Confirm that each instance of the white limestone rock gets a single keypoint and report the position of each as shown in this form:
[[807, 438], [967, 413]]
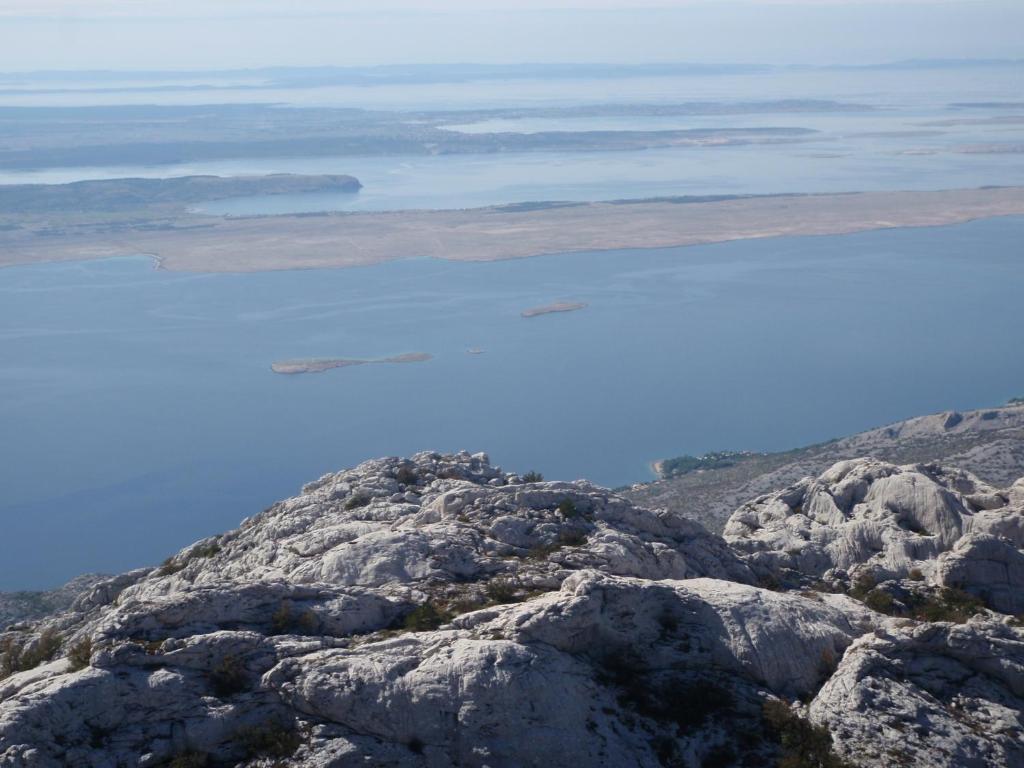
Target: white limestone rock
[[929, 695], [866, 515], [555, 624], [989, 567]]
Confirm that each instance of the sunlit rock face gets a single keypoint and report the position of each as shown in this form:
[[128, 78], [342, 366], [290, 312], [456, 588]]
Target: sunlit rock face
[[943, 525], [438, 611]]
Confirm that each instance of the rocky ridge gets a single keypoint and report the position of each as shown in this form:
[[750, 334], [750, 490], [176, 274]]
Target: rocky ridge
[[989, 443], [438, 611]]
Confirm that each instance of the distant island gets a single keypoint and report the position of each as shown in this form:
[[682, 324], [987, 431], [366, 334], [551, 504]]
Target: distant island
[[115, 195], [547, 309], [319, 365]]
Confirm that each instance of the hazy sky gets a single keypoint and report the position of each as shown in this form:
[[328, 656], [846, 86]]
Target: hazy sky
[[132, 34]]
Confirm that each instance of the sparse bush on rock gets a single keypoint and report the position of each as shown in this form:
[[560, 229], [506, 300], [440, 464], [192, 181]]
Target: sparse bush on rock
[[424, 618], [21, 656], [229, 677], [80, 654], [804, 744]]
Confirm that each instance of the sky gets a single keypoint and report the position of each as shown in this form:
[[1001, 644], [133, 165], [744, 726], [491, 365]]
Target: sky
[[189, 34]]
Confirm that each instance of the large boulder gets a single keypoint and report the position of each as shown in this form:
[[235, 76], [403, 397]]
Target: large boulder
[[929, 695], [989, 567], [893, 521]]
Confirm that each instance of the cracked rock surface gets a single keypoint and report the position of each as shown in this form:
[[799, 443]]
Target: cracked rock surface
[[437, 611]]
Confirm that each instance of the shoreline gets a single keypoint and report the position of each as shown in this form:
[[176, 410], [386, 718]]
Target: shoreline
[[341, 240]]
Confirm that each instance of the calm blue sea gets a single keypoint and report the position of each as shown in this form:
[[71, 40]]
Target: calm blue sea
[[138, 411]]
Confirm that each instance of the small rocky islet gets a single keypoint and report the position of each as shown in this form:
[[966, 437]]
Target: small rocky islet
[[321, 364], [550, 309], [433, 611]]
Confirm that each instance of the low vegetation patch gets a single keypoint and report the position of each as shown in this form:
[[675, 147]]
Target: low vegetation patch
[[274, 738], [425, 618], [572, 537], [16, 656], [681, 465], [533, 477], [542, 551], [880, 601], [949, 605], [176, 563], [803, 744], [208, 549], [287, 621], [502, 591], [567, 508], [357, 500], [171, 566], [406, 476], [946, 604], [80, 654], [684, 701], [229, 677], [189, 759]]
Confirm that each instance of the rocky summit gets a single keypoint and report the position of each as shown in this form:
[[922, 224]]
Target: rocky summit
[[437, 611]]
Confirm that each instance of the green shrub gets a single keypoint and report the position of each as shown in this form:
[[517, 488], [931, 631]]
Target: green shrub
[[542, 551], [572, 538], [684, 702], [949, 605], [229, 677], [864, 584], [44, 650], [567, 508], [533, 477], [424, 618], [357, 500], [16, 657], [502, 591], [406, 476], [204, 550], [80, 654], [285, 621], [10, 657], [879, 600], [177, 563], [804, 744], [190, 760], [274, 738], [171, 565]]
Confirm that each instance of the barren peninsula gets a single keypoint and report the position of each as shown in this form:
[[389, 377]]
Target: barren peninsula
[[195, 243]]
